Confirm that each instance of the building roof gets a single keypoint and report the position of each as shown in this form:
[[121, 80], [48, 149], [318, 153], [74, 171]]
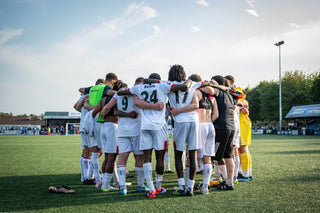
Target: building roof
[[304, 111], [21, 120], [62, 115]]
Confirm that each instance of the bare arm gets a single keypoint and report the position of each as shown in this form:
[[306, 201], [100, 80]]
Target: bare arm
[[119, 113], [78, 105], [81, 90], [75, 106], [111, 92], [191, 107], [87, 106], [109, 106], [245, 108], [145, 105], [215, 110], [207, 90], [124, 92]]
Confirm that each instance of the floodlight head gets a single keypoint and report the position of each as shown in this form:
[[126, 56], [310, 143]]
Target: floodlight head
[[279, 43]]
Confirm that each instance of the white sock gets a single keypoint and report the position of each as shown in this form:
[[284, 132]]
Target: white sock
[[229, 182], [167, 160], [104, 180], [115, 175], [191, 184], [95, 166], [86, 163], [207, 173], [223, 171], [245, 173], [159, 180], [147, 168], [90, 174], [250, 172], [140, 175], [81, 168], [122, 171], [240, 168], [186, 175], [108, 179], [236, 167], [182, 183]]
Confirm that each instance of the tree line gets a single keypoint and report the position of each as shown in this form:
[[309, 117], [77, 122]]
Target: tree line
[[298, 88]]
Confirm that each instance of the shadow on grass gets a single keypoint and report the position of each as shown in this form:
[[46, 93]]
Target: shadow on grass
[[302, 179], [297, 152], [20, 193]]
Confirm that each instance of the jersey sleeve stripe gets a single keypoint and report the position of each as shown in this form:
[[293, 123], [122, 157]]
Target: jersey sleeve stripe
[[171, 87]]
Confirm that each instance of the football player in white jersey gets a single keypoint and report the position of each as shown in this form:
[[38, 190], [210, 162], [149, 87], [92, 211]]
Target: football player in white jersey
[[128, 137], [96, 93], [152, 129], [85, 162], [108, 140], [183, 105]]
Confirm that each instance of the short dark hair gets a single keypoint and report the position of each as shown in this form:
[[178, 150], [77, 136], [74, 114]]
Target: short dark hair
[[226, 82], [195, 77], [154, 76], [218, 78], [119, 84], [99, 81], [139, 80], [230, 78], [176, 73], [111, 76]]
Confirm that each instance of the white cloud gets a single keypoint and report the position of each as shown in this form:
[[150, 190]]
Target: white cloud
[[149, 12], [195, 29], [203, 3], [251, 2], [294, 25], [67, 65], [6, 35], [252, 12], [156, 29], [134, 15]]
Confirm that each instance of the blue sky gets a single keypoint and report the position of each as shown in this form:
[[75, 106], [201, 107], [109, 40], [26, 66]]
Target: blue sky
[[50, 48]]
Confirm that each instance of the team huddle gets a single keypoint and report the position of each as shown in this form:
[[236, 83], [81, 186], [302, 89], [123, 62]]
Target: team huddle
[[210, 128]]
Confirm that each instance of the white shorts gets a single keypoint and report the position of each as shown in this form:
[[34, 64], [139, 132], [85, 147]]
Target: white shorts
[[85, 139], [95, 138], [186, 133], [129, 144], [236, 136], [154, 139], [108, 137], [207, 138]]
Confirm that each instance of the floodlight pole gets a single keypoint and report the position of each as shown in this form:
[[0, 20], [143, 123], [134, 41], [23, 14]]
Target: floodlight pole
[[280, 102]]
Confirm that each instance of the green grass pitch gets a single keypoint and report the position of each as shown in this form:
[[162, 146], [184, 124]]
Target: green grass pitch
[[286, 171]]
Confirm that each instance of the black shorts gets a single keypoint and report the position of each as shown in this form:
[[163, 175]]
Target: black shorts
[[224, 146]]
